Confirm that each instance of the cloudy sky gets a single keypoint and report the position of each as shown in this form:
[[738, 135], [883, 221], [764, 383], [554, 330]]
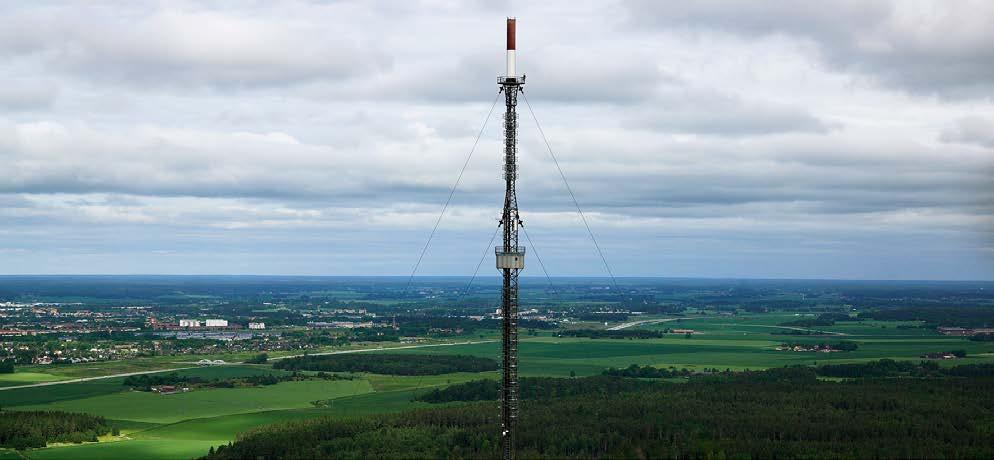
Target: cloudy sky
[[712, 138]]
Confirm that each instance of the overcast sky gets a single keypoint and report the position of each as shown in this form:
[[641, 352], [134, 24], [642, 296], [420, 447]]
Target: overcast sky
[[704, 139]]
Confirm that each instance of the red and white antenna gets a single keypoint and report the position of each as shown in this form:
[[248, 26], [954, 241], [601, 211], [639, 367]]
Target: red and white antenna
[[510, 48]]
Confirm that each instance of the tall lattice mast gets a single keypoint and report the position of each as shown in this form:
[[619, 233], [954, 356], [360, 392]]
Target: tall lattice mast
[[510, 256]]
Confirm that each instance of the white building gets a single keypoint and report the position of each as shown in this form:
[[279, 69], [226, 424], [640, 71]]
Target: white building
[[217, 323], [257, 325], [189, 323]]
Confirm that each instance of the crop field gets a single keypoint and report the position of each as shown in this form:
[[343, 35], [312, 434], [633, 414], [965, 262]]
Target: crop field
[[21, 378], [726, 342], [151, 407], [186, 425], [54, 393], [76, 371], [131, 449], [78, 390]]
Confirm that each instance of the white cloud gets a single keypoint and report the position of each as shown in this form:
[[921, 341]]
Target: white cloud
[[175, 46]]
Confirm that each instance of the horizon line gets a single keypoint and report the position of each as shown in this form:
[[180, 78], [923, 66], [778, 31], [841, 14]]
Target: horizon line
[[496, 276]]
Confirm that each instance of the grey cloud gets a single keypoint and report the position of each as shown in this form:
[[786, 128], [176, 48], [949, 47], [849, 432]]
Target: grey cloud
[[929, 47], [829, 19], [166, 163], [685, 110], [18, 96], [971, 130], [576, 76], [830, 175], [49, 157], [561, 76]]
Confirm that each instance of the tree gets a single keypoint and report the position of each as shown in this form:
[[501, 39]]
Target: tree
[[753, 415], [7, 366], [260, 358]]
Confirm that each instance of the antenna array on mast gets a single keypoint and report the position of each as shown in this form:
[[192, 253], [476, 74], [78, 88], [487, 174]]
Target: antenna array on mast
[[510, 256]]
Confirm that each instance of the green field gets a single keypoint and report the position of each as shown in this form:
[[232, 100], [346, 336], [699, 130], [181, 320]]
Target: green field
[[9, 454], [732, 342], [76, 371], [77, 390], [142, 406], [186, 425], [23, 377], [131, 449], [221, 428]]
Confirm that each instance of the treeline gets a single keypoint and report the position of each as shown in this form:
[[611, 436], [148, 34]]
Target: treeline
[[776, 374], [393, 364], [261, 358], [646, 372], [252, 380], [619, 334], [708, 418], [534, 388], [145, 382], [937, 315], [872, 369], [891, 368], [22, 430]]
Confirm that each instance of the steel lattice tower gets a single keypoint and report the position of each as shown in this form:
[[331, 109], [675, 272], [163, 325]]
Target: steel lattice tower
[[510, 256]]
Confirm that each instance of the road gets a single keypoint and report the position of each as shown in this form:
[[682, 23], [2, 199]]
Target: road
[[87, 379], [127, 374], [644, 321], [386, 348], [654, 321]]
